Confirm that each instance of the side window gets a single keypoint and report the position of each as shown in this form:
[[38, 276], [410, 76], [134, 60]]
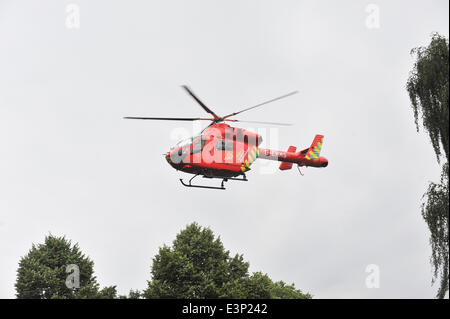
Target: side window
[[198, 146], [224, 145], [182, 151]]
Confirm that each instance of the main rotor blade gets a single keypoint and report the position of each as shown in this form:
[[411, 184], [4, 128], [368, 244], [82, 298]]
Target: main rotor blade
[[261, 104], [258, 122], [168, 118], [188, 90]]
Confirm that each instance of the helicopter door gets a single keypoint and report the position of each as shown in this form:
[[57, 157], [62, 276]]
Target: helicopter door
[[196, 150], [226, 148]]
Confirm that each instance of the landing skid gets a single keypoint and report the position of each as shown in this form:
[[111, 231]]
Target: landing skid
[[224, 179]]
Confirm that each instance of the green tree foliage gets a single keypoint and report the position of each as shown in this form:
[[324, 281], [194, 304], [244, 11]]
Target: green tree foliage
[[435, 211], [281, 290], [133, 294], [428, 88], [42, 273], [198, 266]]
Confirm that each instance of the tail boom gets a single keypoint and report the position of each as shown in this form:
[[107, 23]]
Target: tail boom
[[307, 157]]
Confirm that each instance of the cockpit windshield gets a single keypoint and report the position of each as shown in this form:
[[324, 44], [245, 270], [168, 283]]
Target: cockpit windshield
[[186, 141]]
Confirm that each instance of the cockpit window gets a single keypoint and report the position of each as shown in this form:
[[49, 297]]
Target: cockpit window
[[224, 145], [198, 146], [185, 142]]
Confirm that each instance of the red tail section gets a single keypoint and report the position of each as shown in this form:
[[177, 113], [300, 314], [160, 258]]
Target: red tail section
[[313, 151], [307, 157]]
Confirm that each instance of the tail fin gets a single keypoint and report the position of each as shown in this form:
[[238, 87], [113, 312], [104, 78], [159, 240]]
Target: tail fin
[[313, 151], [286, 165]]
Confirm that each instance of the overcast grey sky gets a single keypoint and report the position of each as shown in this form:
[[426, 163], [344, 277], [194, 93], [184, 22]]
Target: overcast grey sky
[[70, 165]]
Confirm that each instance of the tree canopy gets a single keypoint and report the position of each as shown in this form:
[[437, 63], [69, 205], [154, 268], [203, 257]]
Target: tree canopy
[[43, 273], [435, 211], [428, 89], [198, 266]]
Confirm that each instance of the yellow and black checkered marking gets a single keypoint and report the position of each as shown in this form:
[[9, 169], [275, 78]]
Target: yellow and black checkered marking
[[252, 155], [314, 152]]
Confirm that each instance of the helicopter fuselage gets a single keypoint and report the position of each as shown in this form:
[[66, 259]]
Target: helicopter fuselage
[[223, 151]]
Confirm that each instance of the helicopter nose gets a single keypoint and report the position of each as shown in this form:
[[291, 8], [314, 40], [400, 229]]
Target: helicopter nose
[[168, 159]]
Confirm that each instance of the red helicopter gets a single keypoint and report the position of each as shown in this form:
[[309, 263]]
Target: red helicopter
[[226, 152]]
